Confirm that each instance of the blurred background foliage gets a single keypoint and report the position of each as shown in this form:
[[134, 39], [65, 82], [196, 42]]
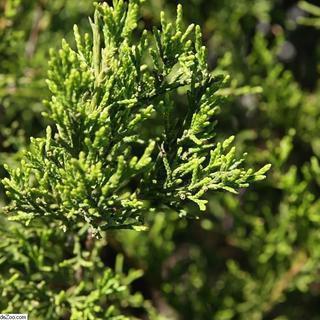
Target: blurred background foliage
[[255, 255]]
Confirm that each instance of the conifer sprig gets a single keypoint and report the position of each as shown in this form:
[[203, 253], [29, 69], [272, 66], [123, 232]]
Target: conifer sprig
[[99, 163]]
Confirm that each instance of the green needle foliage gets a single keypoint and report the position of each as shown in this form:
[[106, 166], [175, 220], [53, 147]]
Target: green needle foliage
[[254, 255], [98, 164], [50, 274], [28, 28]]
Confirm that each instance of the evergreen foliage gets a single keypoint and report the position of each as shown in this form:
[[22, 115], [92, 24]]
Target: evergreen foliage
[[28, 28], [252, 255], [103, 93], [56, 275]]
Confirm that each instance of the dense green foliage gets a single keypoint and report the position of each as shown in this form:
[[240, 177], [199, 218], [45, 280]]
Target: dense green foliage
[[132, 142], [103, 93]]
